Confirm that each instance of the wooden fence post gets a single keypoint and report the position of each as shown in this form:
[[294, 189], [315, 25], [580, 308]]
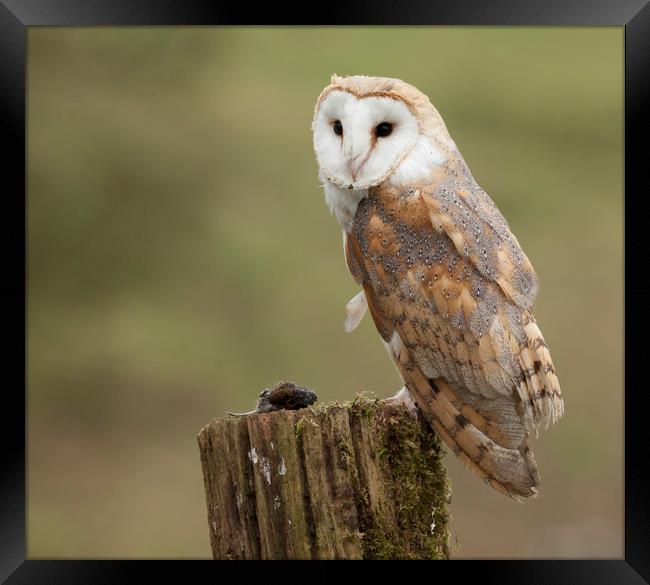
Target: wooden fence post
[[361, 480]]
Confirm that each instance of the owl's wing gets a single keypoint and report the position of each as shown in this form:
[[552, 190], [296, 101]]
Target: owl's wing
[[450, 291], [481, 235]]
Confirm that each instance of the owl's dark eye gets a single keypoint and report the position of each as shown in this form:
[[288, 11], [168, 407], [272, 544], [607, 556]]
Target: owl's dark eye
[[383, 129], [338, 128]]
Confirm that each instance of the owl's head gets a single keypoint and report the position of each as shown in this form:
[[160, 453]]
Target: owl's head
[[371, 129]]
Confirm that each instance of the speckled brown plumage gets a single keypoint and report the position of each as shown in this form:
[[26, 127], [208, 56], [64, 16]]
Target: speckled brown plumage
[[440, 267]]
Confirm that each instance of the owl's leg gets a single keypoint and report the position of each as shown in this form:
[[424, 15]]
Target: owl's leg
[[355, 310], [403, 398]]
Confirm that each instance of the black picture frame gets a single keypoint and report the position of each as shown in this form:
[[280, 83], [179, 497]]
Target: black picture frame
[[17, 15]]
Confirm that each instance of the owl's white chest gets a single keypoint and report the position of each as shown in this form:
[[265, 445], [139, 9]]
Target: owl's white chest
[[343, 203]]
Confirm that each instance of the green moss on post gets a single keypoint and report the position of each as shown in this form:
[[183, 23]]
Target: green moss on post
[[361, 480]]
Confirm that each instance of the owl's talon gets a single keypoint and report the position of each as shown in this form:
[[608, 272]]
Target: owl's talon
[[403, 398]]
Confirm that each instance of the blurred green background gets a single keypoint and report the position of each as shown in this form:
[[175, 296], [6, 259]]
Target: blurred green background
[[181, 259]]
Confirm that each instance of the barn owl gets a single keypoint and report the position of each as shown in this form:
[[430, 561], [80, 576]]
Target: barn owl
[[445, 281]]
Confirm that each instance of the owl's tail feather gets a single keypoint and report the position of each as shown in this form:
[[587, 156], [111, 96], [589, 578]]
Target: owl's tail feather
[[473, 438]]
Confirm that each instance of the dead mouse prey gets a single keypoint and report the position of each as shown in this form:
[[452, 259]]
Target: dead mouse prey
[[284, 395]]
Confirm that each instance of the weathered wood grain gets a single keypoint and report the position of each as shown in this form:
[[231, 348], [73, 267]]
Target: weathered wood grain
[[359, 480]]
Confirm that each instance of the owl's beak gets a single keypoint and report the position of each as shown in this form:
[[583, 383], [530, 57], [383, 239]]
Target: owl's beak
[[355, 164]]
